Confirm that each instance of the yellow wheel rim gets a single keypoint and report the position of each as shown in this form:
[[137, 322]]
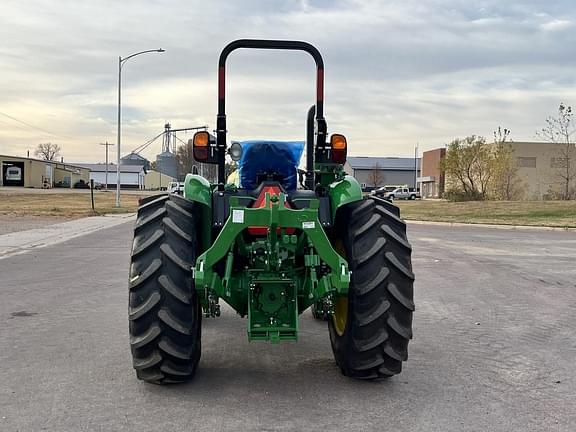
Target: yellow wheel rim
[[340, 315]]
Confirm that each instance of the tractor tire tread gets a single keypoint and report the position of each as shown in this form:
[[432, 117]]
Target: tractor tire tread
[[164, 309], [379, 324]]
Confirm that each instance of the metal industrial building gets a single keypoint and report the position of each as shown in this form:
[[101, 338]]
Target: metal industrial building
[[37, 173], [155, 180], [135, 159], [373, 172], [131, 176]]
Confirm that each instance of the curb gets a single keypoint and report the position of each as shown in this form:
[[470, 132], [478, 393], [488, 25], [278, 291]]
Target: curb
[[481, 225]]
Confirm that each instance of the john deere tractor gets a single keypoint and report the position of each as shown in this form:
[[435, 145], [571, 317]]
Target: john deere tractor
[[282, 240]]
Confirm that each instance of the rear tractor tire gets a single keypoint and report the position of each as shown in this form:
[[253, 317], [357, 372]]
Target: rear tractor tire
[[164, 309], [371, 327]]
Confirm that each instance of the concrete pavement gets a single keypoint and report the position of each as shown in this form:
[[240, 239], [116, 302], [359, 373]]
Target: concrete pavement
[[24, 241], [494, 347]]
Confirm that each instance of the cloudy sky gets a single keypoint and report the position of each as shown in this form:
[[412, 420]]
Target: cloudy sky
[[397, 72]]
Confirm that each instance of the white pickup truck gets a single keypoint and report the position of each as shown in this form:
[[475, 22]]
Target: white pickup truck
[[176, 188], [402, 193]]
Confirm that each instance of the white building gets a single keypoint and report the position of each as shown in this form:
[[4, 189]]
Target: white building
[[131, 176]]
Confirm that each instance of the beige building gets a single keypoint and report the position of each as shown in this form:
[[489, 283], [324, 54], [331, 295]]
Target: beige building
[[154, 180], [37, 173], [540, 165]]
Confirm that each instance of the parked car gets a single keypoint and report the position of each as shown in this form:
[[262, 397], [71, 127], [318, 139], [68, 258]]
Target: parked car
[[81, 184], [402, 193], [14, 173], [381, 191], [62, 184]]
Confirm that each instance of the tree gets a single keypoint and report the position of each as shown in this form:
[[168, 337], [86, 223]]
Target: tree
[[47, 151], [506, 184], [376, 176], [559, 130], [469, 166], [501, 135], [184, 159]]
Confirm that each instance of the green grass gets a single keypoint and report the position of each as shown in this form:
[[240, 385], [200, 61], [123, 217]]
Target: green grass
[[529, 213]]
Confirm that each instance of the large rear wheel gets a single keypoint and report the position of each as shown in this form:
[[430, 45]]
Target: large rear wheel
[[371, 327], [164, 309]]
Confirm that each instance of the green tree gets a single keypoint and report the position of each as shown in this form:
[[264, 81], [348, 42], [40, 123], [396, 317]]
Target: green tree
[[469, 168]]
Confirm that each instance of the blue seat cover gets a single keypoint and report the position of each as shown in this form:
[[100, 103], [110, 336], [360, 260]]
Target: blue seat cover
[[268, 157]]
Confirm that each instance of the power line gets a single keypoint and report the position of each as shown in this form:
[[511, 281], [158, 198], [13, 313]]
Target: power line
[[34, 127], [13, 125]]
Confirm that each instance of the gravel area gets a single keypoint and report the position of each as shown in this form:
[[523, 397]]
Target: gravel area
[[9, 224]]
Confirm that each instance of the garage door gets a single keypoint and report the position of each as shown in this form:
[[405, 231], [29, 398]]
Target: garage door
[[13, 173]]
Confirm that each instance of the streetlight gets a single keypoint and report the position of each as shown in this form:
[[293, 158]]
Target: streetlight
[[120, 63]]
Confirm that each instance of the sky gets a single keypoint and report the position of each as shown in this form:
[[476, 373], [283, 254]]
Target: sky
[[397, 72]]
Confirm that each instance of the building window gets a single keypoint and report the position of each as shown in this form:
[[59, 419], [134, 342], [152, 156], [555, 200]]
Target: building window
[[558, 162], [527, 162]]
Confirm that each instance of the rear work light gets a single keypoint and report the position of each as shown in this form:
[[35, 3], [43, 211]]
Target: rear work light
[[339, 147]]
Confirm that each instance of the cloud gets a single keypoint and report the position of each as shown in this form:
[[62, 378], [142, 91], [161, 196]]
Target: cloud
[[556, 25], [397, 72]]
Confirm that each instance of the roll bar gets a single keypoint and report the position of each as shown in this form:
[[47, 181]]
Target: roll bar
[[320, 122]]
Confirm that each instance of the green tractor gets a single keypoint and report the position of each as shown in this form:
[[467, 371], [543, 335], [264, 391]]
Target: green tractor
[[271, 250]]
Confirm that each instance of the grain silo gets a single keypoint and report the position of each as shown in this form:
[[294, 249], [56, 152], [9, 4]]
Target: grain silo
[[166, 161]]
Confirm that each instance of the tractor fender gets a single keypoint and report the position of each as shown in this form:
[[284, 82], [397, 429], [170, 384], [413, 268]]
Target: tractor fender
[[343, 192], [197, 188]]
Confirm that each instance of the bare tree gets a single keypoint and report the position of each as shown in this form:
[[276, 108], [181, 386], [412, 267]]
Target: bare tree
[[184, 159], [506, 184], [501, 135], [559, 130], [47, 151], [376, 176]]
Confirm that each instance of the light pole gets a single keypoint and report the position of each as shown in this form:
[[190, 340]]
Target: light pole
[[416, 168], [120, 63], [107, 144]]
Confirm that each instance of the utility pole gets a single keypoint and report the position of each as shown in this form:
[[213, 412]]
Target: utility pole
[[107, 145]]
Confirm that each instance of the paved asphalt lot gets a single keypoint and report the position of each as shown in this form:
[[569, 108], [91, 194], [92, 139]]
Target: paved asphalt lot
[[494, 347]]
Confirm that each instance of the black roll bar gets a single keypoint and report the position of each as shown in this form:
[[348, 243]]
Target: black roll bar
[[319, 107]]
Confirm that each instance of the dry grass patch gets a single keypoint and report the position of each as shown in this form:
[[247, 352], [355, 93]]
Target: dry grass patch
[[529, 213], [64, 205]]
